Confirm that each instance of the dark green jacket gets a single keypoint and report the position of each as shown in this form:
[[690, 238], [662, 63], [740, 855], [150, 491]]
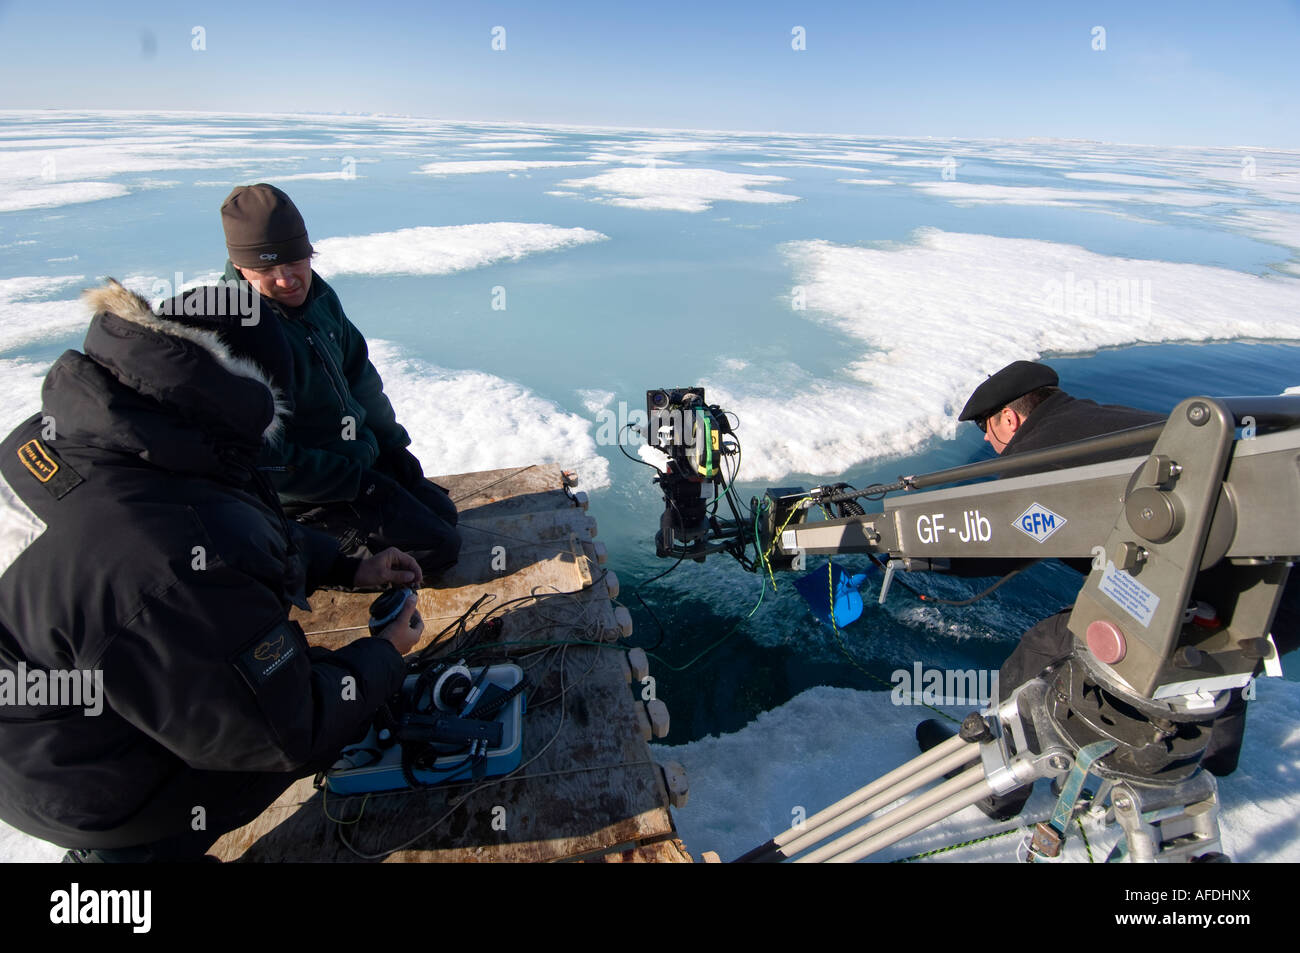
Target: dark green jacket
[[341, 421]]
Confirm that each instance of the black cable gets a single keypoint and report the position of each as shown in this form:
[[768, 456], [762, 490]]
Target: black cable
[[956, 602], [662, 574], [875, 492], [422, 659], [997, 585], [843, 504], [629, 456], [645, 605]]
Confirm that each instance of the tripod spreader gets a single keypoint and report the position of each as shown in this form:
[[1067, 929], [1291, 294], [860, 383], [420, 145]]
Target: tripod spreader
[[997, 752]]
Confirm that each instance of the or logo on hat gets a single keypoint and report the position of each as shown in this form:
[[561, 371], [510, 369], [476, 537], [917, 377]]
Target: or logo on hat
[[268, 256], [1039, 522]]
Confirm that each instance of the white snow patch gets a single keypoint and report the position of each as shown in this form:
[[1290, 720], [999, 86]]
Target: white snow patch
[[683, 190], [15, 197], [1118, 178], [655, 147], [338, 175], [865, 155], [470, 166], [802, 165], [441, 250], [978, 193], [1274, 224], [26, 321], [927, 341], [462, 421], [653, 456], [20, 381], [510, 144], [595, 400]]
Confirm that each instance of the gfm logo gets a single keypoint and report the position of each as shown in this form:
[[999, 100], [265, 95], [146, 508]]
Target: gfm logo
[[1039, 522]]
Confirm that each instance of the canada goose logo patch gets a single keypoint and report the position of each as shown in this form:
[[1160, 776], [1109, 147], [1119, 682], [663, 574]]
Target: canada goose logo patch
[[267, 654], [269, 651], [48, 468], [36, 459]]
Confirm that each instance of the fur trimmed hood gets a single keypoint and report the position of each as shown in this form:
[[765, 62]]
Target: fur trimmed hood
[[117, 300]]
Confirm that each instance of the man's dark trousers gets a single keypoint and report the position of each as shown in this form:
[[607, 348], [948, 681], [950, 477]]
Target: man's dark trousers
[[418, 518]]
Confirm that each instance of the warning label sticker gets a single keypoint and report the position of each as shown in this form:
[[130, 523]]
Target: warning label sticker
[[1129, 594]]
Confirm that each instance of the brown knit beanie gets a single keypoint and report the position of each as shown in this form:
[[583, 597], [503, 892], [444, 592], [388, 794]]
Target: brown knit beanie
[[263, 227]]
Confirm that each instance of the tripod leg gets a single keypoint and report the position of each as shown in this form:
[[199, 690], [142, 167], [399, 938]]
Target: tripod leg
[[892, 826], [904, 779], [1174, 823]]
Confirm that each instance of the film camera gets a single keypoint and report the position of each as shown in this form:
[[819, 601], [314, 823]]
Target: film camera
[[703, 456]]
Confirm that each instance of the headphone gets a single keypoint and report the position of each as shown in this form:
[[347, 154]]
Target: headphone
[[452, 687]]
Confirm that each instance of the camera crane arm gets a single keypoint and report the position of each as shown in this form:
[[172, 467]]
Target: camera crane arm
[[1194, 515], [1202, 514]]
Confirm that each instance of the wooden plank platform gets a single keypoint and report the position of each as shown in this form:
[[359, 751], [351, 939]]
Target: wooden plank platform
[[587, 789]]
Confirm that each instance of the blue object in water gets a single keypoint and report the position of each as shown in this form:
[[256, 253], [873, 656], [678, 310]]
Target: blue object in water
[[816, 589]]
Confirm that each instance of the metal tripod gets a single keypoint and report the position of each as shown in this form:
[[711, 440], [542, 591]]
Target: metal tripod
[[1168, 809]]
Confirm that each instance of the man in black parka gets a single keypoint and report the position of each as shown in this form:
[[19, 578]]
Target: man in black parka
[[139, 541]]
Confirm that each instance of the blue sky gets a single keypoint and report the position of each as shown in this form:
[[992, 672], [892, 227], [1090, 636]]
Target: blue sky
[[1187, 72]]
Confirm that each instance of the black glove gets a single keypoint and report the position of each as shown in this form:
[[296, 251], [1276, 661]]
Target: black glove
[[400, 464]]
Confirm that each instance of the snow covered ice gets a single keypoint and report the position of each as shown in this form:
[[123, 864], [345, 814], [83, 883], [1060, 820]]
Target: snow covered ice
[[841, 294]]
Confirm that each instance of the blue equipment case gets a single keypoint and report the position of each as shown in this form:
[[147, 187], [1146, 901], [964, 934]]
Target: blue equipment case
[[358, 771]]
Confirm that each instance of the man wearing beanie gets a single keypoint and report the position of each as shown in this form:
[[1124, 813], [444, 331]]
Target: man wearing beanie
[[342, 465]]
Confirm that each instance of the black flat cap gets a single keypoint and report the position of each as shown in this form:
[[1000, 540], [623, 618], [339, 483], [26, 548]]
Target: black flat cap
[[1014, 380]]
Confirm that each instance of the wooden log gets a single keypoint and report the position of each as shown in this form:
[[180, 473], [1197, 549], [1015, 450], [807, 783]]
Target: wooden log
[[640, 665], [675, 780], [658, 713], [587, 783]]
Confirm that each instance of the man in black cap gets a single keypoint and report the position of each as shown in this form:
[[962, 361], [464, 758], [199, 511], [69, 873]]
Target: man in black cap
[[1021, 408], [343, 465]]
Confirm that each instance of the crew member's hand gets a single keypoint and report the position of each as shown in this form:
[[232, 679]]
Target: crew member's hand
[[399, 631], [391, 566]]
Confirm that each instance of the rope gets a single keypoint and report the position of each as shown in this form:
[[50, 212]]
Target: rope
[[794, 508], [1084, 834], [508, 476], [989, 837], [830, 588], [968, 843]]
